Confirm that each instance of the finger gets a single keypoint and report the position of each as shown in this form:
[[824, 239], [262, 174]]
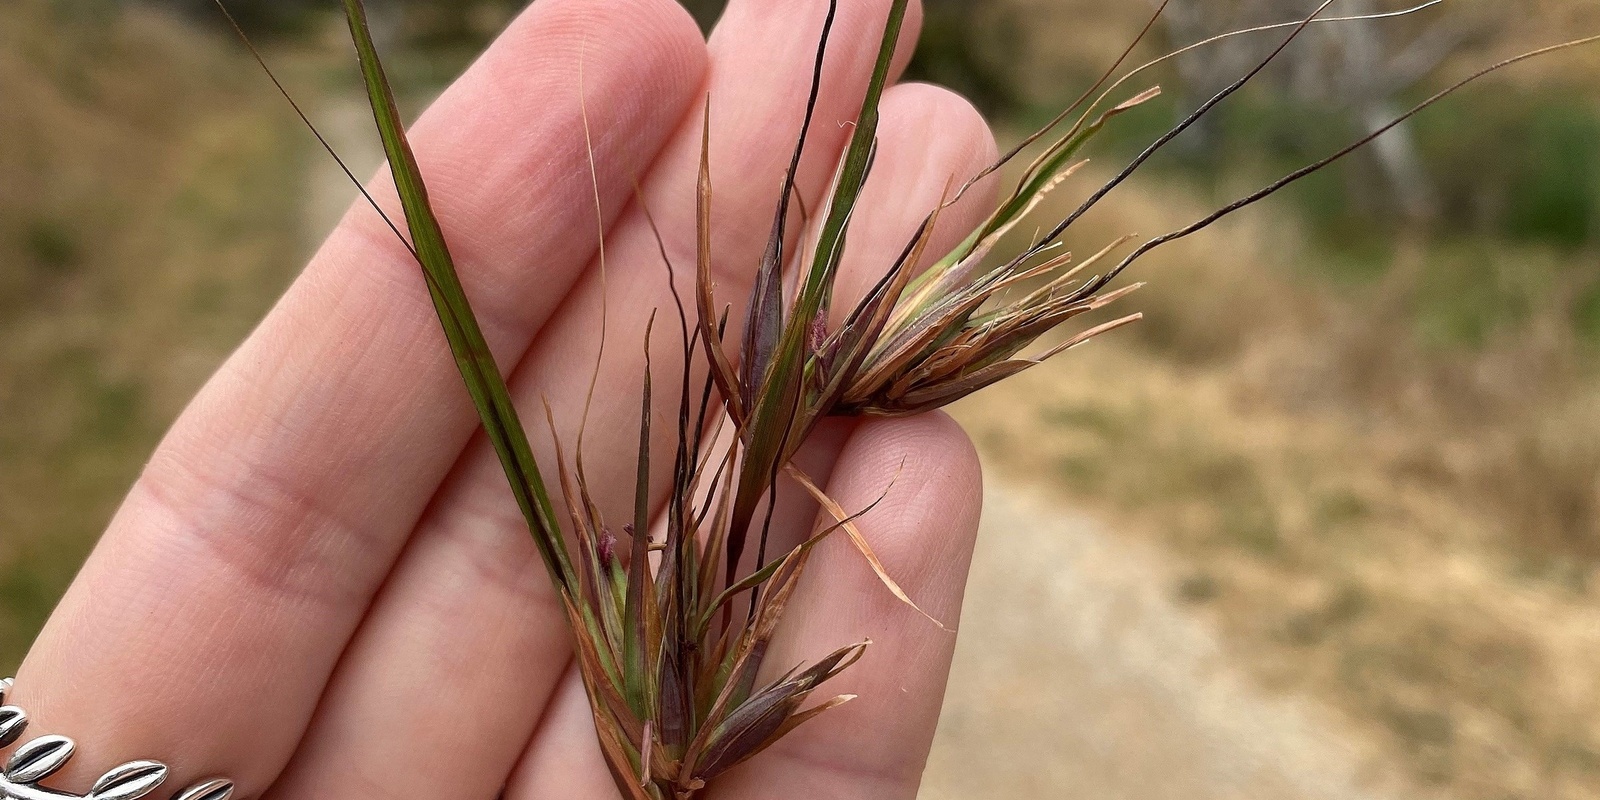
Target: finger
[[762, 57], [469, 582], [205, 625], [567, 762], [930, 138], [924, 531]]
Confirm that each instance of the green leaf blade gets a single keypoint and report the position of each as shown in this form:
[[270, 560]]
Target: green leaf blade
[[484, 381]]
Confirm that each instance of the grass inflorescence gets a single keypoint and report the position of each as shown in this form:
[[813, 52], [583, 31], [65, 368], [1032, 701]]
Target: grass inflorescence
[[671, 630]]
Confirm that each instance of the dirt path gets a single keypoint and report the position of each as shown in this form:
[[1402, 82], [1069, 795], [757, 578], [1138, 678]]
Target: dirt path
[[1079, 676]]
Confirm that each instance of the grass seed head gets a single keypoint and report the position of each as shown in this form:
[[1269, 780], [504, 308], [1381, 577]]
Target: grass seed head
[[671, 637]]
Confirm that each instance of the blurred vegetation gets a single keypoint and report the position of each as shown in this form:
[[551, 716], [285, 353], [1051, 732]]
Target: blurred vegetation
[[1370, 440], [950, 52], [145, 196]]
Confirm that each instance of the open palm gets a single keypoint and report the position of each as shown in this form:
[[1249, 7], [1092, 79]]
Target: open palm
[[321, 586]]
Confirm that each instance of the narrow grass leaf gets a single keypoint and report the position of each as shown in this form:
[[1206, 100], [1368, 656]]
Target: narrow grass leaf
[[484, 381]]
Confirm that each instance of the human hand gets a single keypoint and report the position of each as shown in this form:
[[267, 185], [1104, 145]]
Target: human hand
[[321, 586]]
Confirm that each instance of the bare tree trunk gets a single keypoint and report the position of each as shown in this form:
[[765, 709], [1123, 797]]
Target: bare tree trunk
[[1396, 154], [1204, 73], [1364, 87], [1351, 66]]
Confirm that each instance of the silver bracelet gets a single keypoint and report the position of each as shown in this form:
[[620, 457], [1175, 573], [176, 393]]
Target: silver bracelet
[[44, 756]]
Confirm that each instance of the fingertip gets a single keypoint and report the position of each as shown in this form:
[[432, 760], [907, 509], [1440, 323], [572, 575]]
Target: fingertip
[[852, 24], [658, 39], [930, 446], [569, 83], [932, 141], [964, 144], [926, 470], [673, 31], [922, 532], [951, 143]]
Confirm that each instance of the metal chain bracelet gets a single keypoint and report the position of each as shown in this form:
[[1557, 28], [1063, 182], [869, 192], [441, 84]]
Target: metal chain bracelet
[[42, 757]]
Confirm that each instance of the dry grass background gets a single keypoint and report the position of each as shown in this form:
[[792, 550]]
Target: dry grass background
[[144, 204], [1350, 534], [1376, 517], [1370, 512]]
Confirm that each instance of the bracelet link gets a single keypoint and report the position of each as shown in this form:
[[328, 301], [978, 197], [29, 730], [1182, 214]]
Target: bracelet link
[[44, 756]]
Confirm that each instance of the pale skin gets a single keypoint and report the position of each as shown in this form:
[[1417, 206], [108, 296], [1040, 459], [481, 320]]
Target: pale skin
[[320, 586]]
